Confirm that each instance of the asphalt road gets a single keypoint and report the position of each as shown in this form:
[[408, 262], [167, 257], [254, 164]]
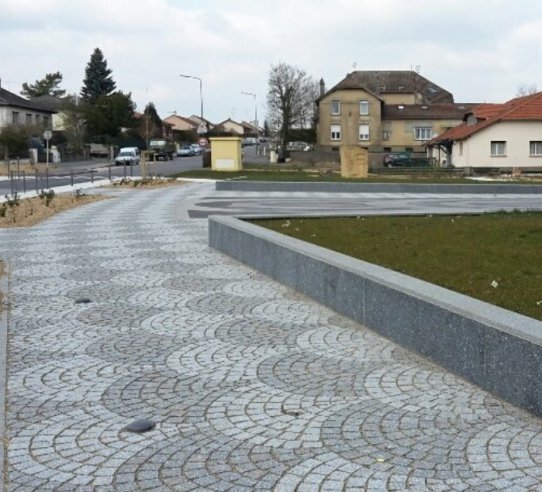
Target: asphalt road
[[93, 169], [76, 172]]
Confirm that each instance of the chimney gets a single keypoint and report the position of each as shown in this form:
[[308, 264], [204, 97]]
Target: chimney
[[322, 87]]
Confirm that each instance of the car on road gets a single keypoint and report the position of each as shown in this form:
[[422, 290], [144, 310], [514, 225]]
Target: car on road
[[185, 151], [196, 149], [127, 156], [298, 145], [249, 141]]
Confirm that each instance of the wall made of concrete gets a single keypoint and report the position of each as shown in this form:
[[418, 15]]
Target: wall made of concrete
[[496, 349]]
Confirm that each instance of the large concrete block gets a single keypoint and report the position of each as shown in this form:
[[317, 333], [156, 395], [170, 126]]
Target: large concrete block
[[498, 350]]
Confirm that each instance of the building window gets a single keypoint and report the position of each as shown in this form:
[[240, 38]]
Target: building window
[[423, 133], [386, 135], [46, 121], [28, 119], [498, 148], [15, 117], [335, 107], [535, 148], [460, 148], [364, 132], [335, 132], [364, 107], [37, 119]]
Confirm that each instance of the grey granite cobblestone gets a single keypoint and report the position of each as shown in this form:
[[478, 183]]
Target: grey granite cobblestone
[[252, 385]]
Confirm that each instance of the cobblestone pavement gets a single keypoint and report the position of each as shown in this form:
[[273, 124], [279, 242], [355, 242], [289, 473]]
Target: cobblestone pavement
[[252, 386]]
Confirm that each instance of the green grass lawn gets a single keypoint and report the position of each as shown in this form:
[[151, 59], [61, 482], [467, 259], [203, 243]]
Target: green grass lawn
[[493, 257]]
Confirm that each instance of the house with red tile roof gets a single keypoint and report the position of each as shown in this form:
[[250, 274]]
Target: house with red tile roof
[[231, 126], [505, 135], [180, 123]]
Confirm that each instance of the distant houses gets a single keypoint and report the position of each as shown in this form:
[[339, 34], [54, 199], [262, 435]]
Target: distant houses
[[386, 111], [16, 110]]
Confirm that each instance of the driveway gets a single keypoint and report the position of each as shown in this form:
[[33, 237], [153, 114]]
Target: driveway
[[120, 311]]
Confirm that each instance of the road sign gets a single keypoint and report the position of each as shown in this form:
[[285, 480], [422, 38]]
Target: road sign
[[203, 142], [47, 134]]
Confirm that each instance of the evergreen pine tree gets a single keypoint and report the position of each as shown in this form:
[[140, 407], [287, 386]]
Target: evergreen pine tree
[[152, 121], [48, 86], [98, 81]]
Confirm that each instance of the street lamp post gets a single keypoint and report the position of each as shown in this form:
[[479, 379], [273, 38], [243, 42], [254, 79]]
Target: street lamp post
[[200, 91], [255, 109]]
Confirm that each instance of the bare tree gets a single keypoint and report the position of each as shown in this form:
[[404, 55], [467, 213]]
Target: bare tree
[[526, 90], [290, 100]]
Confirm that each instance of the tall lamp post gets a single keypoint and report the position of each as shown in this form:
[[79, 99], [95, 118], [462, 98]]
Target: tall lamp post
[[202, 128], [200, 91], [255, 109]]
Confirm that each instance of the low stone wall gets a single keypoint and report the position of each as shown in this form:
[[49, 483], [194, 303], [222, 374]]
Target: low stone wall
[[330, 187], [496, 349]]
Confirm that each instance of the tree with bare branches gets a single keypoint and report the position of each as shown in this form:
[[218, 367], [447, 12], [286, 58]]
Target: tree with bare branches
[[290, 100], [526, 90]]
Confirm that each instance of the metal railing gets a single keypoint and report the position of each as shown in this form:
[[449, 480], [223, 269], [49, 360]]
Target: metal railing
[[21, 181]]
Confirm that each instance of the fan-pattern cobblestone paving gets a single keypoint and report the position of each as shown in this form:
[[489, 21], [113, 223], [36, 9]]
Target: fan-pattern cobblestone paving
[[252, 386]]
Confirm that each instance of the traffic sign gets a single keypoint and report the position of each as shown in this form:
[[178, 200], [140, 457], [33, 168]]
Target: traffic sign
[[47, 134], [203, 142]]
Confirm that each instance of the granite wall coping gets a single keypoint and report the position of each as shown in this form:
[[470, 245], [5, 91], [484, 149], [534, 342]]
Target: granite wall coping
[[498, 350], [331, 187]]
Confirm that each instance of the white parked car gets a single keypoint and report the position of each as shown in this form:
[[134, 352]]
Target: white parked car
[[197, 149], [127, 156]]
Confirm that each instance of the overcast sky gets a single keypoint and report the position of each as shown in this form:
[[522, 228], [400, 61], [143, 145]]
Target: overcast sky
[[480, 50]]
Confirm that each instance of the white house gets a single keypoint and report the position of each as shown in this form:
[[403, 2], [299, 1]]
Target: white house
[[505, 135], [16, 110]]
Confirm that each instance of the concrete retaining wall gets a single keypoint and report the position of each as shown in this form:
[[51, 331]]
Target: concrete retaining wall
[[496, 349], [340, 187]]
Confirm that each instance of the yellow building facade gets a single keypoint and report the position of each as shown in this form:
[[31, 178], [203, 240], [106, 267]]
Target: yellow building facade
[[389, 111]]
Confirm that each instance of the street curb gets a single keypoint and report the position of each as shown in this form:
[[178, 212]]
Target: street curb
[[496, 349], [4, 317], [330, 187]]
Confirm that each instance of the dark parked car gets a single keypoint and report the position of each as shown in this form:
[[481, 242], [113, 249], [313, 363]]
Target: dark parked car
[[397, 159]]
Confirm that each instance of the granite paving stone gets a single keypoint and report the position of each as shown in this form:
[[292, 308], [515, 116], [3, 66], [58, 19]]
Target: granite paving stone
[[252, 386]]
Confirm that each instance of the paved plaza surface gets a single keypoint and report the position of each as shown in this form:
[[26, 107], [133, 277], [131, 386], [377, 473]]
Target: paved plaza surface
[[251, 385]]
